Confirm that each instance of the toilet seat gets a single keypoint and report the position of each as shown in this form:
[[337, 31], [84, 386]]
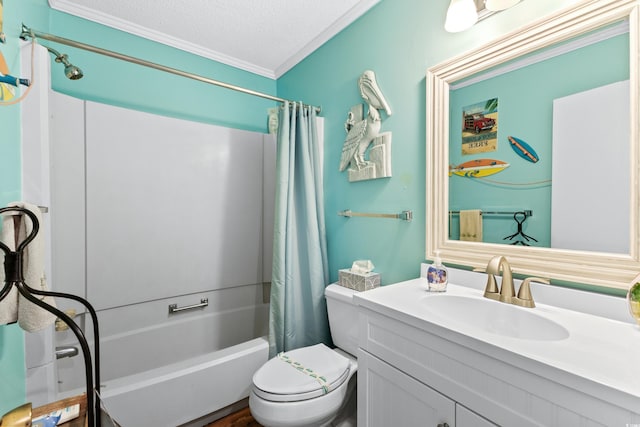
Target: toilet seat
[[293, 378]]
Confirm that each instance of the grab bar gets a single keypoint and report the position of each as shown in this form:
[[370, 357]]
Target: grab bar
[[173, 308]]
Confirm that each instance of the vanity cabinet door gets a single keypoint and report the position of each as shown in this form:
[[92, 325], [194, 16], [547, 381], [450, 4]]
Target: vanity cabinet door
[[389, 397], [467, 418]]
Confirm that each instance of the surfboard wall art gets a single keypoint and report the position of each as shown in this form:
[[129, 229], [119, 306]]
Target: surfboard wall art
[[523, 149], [478, 168]]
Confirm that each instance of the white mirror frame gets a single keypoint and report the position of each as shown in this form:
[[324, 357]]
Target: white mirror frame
[[596, 268]]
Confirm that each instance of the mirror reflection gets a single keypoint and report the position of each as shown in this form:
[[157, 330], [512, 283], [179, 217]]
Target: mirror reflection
[[539, 148]]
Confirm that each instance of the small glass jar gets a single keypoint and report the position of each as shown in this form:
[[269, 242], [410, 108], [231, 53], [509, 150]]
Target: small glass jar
[[633, 298]]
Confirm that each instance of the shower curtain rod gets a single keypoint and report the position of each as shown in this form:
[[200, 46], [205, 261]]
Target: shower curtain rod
[[28, 32]]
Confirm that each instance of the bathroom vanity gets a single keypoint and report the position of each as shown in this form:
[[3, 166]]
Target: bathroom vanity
[[459, 359]]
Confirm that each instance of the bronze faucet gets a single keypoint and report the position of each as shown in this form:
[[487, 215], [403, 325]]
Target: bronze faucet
[[506, 293]]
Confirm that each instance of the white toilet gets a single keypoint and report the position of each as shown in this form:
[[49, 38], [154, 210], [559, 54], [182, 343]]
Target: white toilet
[[313, 386]]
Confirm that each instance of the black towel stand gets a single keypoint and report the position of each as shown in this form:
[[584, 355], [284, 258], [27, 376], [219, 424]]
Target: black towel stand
[[14, 277], [520, 218]]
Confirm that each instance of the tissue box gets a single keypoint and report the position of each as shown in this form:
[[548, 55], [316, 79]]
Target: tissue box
[[358, 281]]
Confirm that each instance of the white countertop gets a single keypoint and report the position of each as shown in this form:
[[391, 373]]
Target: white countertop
[[600, 355]]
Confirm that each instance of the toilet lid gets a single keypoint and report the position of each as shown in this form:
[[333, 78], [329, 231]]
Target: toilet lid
[[301, 374]]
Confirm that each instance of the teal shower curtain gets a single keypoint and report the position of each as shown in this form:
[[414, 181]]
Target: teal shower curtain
[[298, 314]]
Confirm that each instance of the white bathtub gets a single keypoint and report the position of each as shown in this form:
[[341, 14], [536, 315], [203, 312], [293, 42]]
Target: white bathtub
[[160, 369], [178, 393]]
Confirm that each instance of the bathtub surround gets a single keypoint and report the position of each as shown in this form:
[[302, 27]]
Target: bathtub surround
[[212, 181], [88, 178], [298, 315]]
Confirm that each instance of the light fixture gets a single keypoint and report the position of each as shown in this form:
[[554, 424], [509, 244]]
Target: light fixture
[[462, 14], [498, 5]]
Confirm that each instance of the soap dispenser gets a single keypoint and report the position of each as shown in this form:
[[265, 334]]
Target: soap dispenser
[[437, 275]]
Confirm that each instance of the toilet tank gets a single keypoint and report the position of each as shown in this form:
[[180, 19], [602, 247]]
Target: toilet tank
[[343, 317]]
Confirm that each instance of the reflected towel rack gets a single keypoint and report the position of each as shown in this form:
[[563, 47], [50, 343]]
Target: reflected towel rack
[[527, 213], [404, 215], [173, 308]]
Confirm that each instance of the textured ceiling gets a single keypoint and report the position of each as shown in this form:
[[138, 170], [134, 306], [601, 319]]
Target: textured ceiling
[[266, 37]]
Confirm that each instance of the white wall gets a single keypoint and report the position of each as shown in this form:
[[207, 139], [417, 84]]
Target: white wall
[[39, 346], [171, 207], [591, 133]]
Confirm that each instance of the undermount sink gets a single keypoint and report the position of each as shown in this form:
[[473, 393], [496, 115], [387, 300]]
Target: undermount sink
[[495, 317]]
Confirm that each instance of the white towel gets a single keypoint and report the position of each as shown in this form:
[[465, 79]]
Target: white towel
[[471, 225], [9, 305], [15, 229]]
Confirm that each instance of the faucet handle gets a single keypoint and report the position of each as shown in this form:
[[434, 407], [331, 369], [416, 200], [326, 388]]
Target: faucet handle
[[491, 289], [525, 299]]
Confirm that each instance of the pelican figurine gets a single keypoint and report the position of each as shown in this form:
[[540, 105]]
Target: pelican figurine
[[361, 133]]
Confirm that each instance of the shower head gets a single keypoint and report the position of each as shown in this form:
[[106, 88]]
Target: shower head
[[71, 71]]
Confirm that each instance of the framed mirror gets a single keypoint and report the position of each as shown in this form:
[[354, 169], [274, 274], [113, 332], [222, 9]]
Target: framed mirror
[[551, 172]]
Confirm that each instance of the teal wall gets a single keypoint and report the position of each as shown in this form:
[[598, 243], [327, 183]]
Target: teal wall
[[125, 84], [526, 112], [398, 39], [12, 368], [12, 363]]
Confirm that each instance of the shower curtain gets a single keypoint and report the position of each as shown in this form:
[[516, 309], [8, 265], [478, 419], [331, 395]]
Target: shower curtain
[[298, 315]]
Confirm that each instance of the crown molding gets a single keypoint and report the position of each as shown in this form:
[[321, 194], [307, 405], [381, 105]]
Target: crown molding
[[84, 12], [157, 36], [345, 20]]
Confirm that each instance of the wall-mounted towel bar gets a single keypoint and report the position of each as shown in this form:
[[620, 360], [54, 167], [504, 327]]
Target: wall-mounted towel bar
[[527, 213], [173, 308], [405, 215]]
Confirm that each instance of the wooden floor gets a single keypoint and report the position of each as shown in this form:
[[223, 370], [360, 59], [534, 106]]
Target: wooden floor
[[241, 418]]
